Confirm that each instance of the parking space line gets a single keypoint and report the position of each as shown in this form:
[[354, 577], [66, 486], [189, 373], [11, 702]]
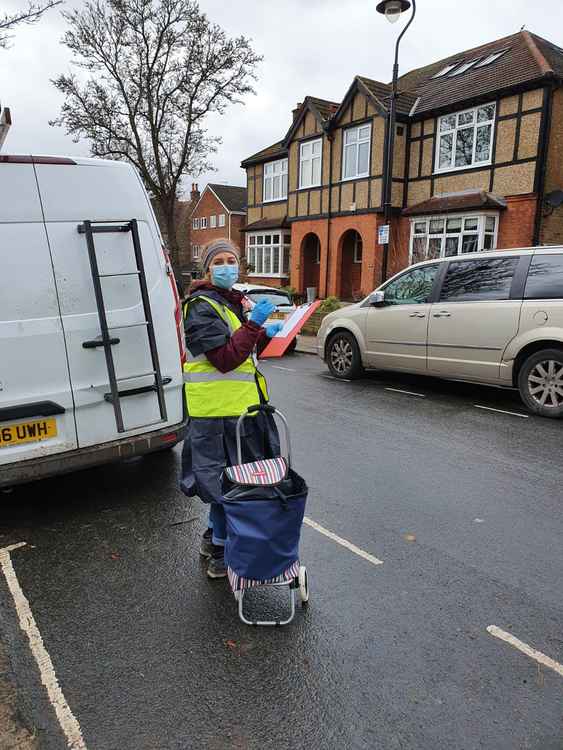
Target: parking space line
[[525, 649], [66, 718], [286, 369], [343, 542], [408, 393], [502, 411]]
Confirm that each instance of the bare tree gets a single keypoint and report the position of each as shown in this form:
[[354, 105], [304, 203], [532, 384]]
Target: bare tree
[[31, 14], [155, 70]]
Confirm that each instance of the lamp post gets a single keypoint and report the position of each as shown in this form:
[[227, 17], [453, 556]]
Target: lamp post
[[392, 10]]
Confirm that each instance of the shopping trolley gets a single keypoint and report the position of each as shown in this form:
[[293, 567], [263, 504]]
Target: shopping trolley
[[264, 505]]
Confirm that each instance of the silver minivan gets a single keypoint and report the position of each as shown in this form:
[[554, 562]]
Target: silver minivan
[[493, 318]]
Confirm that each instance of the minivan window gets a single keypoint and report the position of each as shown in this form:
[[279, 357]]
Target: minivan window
[[412, 288], [545, 278], [478, 280]]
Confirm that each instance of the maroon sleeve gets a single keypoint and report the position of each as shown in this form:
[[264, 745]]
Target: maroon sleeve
[[238, 348]]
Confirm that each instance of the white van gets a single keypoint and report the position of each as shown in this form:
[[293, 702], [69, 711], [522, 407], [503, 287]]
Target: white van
[[91, 330]]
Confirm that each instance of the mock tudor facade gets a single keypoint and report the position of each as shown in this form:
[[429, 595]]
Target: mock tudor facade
[[478, 164], [219, 212]]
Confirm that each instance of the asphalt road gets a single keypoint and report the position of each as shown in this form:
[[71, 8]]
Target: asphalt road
[[463, 506]]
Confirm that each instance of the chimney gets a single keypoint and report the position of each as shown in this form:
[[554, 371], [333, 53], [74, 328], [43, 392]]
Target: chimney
[[296, 110], [194, 195]]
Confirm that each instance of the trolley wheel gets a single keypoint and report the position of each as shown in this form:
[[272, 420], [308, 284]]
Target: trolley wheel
[[303, 585]]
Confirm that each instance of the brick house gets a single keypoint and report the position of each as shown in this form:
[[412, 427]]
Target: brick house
[[219, 212], [478, 164]]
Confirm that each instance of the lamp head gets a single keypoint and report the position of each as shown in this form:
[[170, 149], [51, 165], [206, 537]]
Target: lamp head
[[392, 9]]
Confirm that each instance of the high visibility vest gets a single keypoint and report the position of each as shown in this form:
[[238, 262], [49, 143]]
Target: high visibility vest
[[211, 393]]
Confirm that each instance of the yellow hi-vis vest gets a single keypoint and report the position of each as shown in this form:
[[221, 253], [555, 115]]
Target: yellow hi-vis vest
[[211, 393]]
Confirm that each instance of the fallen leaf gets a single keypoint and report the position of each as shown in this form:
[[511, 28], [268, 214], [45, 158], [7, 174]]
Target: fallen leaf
[[410, 537], [114, 556], [232, 645]]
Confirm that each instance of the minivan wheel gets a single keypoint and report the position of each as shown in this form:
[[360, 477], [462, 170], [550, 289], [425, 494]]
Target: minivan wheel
[[343, 356], [540, 382]]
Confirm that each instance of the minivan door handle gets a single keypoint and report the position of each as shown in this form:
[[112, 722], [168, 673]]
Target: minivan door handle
[[443, 314], [417, 315], [95, 343]]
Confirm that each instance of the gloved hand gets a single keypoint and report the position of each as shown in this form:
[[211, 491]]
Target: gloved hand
[[262, 312], [272, 329]]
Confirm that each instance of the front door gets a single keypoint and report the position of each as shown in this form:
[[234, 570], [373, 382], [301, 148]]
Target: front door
[[397, 332], [474, 319]]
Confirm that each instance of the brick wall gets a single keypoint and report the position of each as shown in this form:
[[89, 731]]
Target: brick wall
[[516, 226]]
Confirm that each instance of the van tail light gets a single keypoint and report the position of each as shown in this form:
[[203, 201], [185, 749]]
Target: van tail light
[[178, 316]]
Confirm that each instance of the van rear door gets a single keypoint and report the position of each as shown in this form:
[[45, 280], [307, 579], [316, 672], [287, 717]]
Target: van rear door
[[36, 406], [111, 193]]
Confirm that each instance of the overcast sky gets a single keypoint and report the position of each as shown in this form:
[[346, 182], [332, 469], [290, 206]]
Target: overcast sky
[[312, 47]]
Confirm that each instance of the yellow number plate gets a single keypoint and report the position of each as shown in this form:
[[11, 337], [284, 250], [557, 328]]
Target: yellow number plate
[[27, 432]]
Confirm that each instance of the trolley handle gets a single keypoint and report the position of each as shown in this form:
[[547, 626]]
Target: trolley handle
[[266, 409]]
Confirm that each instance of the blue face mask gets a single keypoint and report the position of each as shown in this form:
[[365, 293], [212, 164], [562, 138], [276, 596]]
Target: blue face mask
[[225, 276]]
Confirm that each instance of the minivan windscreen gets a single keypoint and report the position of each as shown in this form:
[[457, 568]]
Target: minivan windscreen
[[275, 299]]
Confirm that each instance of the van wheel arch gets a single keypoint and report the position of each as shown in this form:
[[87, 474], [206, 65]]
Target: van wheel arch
[[523, 354]]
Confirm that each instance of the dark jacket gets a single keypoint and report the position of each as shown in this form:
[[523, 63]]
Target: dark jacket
[[207, 333]]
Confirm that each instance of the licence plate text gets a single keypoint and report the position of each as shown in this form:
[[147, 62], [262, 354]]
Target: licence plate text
[[27, 432]]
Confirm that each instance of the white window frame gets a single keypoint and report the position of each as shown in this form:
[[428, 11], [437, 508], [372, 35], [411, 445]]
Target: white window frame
[[203, 222], [312, 158], [195, 223], [256, 256], [273, 169], [213, 221], [357, 143], [221, 222], [481, 230], [196, 252], [454, 131]]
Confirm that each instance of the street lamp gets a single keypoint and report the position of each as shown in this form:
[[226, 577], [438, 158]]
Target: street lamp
[[392, 10]]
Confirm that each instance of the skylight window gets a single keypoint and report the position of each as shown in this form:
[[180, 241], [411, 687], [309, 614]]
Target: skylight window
[[445, 70], [464, 67], [492, 58]]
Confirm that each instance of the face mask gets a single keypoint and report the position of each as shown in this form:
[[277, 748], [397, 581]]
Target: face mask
[[225, 276]]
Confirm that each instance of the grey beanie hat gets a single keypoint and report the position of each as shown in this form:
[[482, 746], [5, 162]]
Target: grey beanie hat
[[216, 247]]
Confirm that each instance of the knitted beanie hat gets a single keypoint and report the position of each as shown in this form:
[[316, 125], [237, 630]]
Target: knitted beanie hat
[[214, 248]]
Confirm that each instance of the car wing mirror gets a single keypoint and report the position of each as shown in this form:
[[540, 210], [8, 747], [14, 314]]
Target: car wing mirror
[[377, 299]]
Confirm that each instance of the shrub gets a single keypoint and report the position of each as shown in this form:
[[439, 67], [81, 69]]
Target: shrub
[[330, 304]]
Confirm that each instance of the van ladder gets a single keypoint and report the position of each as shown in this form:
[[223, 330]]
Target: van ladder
[[90, 228]]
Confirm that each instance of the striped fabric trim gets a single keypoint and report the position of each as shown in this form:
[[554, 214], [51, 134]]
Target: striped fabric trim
[[238, 583], [209, 377], [264, 473]]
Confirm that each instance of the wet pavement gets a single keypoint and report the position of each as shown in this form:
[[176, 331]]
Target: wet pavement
[[462, 505]]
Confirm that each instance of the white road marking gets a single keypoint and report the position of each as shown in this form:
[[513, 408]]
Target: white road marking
[[342, 542], [286, 369], [525, 649], [502, 411], [67, 721], [408, 393], [338, 380]]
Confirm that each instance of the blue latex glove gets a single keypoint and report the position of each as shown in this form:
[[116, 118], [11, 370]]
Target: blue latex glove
[[272, 329], [261, 312]]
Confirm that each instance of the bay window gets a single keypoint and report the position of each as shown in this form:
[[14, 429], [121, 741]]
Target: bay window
[[310, 163], [465, 139], [268, 254], [445, 236], [275, 180], [356, 152]]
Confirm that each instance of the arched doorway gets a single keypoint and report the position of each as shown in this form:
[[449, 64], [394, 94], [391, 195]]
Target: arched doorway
[[311, 254], [351, 267]]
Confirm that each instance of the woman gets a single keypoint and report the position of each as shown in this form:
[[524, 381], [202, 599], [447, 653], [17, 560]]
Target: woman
[[221, 382]]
